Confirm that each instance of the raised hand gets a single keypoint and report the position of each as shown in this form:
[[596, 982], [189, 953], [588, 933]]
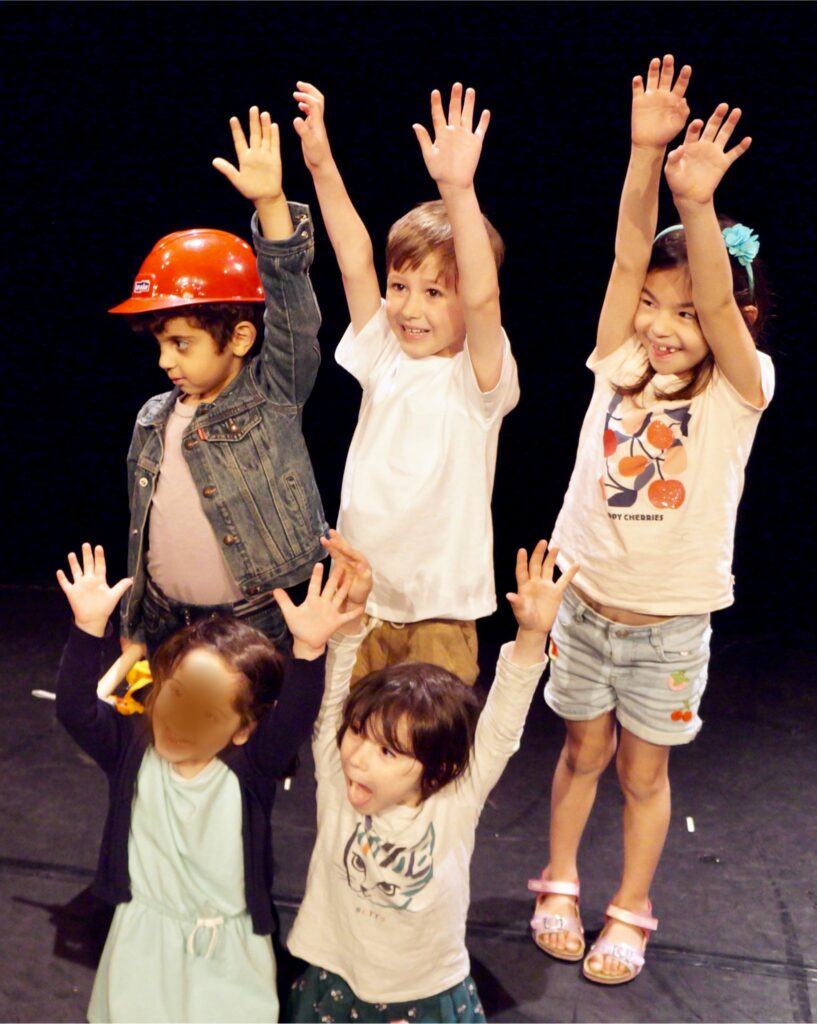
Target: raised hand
[[321, 614], [358, 572], [659, 109], [452, 158], [694, 170], [538, 597], [88, 593], [258, 175], [311, 129]]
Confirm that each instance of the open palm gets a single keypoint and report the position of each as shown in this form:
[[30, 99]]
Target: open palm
[[694, 170], [659, 110]]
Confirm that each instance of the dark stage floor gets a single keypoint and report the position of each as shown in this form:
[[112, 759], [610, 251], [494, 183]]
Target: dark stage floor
[[737, 897]]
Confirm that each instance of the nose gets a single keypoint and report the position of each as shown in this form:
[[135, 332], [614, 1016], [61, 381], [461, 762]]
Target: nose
[[662, 323], [166, 357], [358, 754], [411, 305]]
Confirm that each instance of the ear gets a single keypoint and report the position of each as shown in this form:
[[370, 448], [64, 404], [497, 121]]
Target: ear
[[243, 338], [244, 733], [749, 314]]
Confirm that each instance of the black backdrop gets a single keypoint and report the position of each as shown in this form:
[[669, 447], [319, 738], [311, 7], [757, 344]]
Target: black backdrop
[[113, 112]]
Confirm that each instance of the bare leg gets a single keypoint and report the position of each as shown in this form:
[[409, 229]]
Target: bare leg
[[643, 775], [588, 749]]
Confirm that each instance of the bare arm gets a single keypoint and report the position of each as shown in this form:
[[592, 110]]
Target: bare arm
[[347, 232], [694, 170], [659, 112], [451, 160]]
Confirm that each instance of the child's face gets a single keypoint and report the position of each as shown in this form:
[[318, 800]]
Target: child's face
[[377, 777], [666, 323], [424, 310], [194, 714], [191, 359]]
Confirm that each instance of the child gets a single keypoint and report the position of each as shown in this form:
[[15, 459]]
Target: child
[[400, 791], [224, 504], [186, 856], [438, 377], [650, 511]]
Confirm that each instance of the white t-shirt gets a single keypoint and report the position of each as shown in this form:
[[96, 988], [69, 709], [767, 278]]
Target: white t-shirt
[[651, 506], [184, 557], [387, 895], [416, 493]]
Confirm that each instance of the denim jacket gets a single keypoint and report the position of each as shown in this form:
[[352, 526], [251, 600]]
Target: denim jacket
[[246, 449]]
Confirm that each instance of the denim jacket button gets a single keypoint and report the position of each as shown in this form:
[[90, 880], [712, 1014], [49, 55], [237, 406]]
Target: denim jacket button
[[252, 591], [190, 443], [143, 481], [230, 538], [208, 492]]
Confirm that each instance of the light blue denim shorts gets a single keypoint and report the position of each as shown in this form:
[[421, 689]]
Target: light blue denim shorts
[[652, 676]]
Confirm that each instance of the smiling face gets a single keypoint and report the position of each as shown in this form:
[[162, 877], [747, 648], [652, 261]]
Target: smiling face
[[191, 358], [666, 323], [378, 777], [424, 310], [194, 714]]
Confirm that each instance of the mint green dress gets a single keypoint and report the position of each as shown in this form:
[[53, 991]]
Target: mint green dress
[[183, 948]]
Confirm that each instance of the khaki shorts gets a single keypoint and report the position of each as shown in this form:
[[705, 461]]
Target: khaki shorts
[[448, 643]]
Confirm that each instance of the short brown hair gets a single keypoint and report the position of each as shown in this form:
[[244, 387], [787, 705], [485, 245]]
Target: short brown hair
[[439, 710], [248, 652], [425, 230], [219, 319]]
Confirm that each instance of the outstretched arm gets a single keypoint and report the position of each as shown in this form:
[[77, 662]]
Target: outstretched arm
[[659, 112], [694, 171], [258, 176], [451, 160], [347, 232]]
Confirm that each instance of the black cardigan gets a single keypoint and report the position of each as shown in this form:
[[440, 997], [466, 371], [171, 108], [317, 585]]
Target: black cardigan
[[118, 742]]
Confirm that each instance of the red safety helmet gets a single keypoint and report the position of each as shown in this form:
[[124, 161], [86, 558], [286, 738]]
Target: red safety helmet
[[191, 267]]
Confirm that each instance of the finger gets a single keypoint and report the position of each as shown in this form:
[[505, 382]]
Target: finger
[[266, 129], [274, 144], [653, 73], [537, 557], [675, 156], [73, 565], [342, 591], [312, 91], [426, 145], [482, 127], [62, 579], [314, 588], [513, 599], [255, 128], [301, 127], [682, 81], [737, 151], [714, 122], [522, 575], [567, 576], [455, 105], [437, 112], [728, 126], [284, 601], [467, 117], [638, 86], [99, 561], [87, 559], [230, 173], [239, 139], [350, 616], [120, 588], [550, 563], [667, 71]]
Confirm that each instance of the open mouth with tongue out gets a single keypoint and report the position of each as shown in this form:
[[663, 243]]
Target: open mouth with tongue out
[[357, 793]]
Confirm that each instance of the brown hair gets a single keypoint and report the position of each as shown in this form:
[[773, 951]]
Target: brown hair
[[439, 710], [425, 230], [219, 319], [250, 654], [670, 251]]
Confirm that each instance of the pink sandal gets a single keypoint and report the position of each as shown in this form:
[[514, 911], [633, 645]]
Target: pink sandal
[[547, 924], [626, 954]]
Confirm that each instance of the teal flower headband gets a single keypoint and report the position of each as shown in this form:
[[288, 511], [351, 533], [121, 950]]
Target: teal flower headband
[[741, 242]]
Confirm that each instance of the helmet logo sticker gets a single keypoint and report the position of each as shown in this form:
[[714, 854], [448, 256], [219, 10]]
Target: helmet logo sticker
[[141, 286]]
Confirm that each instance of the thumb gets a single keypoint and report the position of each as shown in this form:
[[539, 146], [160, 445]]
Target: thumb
[[120, 588], [227, 169], [424, 139]]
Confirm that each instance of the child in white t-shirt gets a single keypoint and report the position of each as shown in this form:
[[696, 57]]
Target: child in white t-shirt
[[650, 510], [438, 377], [404, 765]]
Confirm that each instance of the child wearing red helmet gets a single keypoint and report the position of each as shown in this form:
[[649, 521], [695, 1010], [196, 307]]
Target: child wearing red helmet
[[224, 504]]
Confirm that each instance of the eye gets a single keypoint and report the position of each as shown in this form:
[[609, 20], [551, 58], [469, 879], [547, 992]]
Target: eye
[[387, 888], [434, 293], [358, 863], [354, 728], [645, 301], [397, 286], [689, 316], [387, 752], [181, 346]]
